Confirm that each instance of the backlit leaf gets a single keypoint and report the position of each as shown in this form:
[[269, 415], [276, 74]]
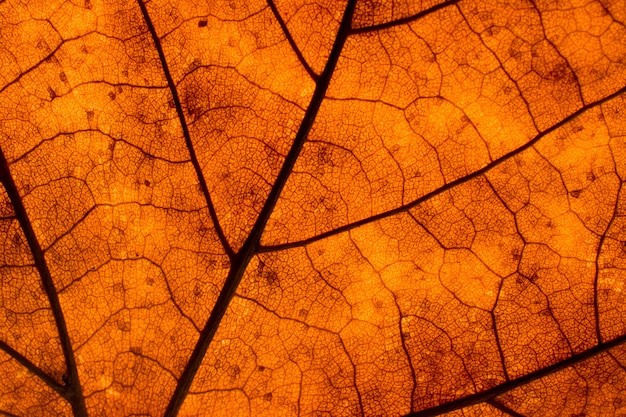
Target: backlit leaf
[[312, 207]]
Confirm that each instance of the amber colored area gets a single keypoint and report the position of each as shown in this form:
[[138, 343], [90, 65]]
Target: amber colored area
[[312, 208]]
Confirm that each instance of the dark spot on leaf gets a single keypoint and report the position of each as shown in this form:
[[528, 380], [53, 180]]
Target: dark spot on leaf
[[271, 277], [324, 156], [62, 77], [146, 183], [11, 317], [268, 396], [111, 95], [123, 325], [493, 31], [558, 73], [575, 193], [192, 103], [261, 368], [202, 23], [88, 4], [52, 93], [195, 64], [136, 350], [515, 53]]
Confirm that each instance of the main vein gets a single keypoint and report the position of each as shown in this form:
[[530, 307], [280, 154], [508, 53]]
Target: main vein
[[251, 245]]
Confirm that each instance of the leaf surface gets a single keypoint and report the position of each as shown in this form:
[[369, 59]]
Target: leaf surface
[[312, 208]]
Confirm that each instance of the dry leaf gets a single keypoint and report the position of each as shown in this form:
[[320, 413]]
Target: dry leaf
[[312, 208]]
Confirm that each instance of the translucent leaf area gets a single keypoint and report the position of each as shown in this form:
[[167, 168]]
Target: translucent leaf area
[[312, 208]]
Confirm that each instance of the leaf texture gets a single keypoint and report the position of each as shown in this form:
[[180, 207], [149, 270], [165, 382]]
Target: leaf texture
[[307, 208]]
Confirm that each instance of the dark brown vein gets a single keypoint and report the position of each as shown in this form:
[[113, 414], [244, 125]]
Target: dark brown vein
[[251, 245], [36, 65], [33, 369], [596, 277], [185, 129], [295, 48], [448, 186], [74, 394], [486, 396], [403, 20]]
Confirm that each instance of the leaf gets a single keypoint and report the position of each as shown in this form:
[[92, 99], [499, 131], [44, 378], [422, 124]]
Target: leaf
[[289, 208]]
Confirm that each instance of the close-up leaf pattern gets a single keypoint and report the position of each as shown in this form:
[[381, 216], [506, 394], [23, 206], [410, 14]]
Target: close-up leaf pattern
[[312, 208]]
